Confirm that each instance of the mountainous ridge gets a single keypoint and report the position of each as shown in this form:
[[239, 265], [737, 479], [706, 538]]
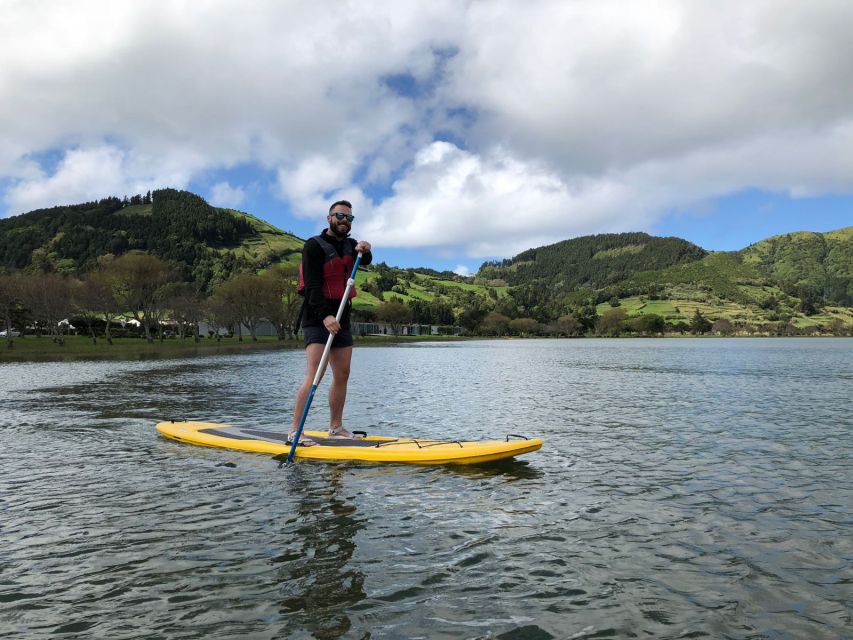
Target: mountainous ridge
[[788, 276], [820, 262], [209, 243], [597, 260], [819, 265]]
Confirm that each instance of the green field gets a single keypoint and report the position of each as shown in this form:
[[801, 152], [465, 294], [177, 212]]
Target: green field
[[32, 348], [270, 243], [683, 310], [81, 347], [674, 310], [465, 286], [136, 210]]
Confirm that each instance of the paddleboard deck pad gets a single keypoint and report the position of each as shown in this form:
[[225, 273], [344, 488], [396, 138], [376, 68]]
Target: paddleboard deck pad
[[367, 449]]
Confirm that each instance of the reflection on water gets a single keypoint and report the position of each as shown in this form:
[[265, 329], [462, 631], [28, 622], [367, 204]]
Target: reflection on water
[[508, 470], [687, 488], [318, 585]]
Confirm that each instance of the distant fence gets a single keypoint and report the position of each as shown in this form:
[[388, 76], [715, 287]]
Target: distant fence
[[266, 328], [385, 329]]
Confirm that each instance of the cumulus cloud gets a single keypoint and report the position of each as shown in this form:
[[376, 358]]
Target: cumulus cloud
[[90, 173], [609, 86], [492, 204], [476, 128], [222, 194], [308, 184], [82, 175], [306, 80]]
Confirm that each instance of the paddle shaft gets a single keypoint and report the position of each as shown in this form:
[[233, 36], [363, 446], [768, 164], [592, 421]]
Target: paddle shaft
[[323, 361]]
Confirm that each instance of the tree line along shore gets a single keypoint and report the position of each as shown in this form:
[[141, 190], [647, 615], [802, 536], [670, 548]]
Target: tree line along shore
[[167, 266], [138, 295], [135, 305]]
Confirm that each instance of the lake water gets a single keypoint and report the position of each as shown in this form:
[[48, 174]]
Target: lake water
[[687, 489]]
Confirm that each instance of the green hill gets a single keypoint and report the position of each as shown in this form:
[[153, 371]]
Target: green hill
[[592, 261], [801, 279], [208, 243], [804, 264], [818, 265]]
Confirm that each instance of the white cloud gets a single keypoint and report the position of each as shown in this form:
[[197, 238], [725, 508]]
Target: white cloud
[[462, 270], [90, 173], [222, 194], [307, 185], [609, 85], [492, 205], [82, 175], [304, 82], [565, 117]]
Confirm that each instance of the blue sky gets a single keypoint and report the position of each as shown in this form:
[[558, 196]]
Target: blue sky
[[462, 131], [733, 222]]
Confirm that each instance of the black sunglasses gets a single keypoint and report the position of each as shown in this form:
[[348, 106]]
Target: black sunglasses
[[340, 216]]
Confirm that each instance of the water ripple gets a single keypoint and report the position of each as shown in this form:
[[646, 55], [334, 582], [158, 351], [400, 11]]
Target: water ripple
[[687, 489]]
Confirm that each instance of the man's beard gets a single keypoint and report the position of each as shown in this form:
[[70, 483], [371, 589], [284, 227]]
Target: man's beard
[[339, 230]]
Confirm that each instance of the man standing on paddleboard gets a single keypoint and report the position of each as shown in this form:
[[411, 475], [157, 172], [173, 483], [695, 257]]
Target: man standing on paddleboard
[[327, 262]]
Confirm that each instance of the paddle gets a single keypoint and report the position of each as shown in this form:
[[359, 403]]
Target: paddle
[[323, 361]]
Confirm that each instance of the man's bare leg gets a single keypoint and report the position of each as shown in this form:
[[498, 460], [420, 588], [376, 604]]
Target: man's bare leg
[[314, 354], [339, 360]]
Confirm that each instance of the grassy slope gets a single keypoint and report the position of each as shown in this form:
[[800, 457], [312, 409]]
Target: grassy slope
[[683, 309], [364, 300], [726, 284], [270, 243], [721, 285], [730, 285], [722, 274], [803, 256], [136, 210], [794, 257], [420, 287]]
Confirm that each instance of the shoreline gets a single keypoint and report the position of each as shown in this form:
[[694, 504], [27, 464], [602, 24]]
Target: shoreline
[[42, 349]]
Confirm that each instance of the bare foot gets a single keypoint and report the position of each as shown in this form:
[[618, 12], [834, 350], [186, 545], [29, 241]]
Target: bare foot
[[304, 441]]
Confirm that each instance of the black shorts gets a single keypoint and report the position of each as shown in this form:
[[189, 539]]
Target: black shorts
[[319, 335]]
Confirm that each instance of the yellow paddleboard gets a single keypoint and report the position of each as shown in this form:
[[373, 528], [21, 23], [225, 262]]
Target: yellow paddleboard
[[368, 449]]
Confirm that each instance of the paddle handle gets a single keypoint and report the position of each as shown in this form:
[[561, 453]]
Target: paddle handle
[[323, 361]]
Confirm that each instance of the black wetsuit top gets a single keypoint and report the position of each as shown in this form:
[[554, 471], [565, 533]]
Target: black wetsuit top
[[317, 306]]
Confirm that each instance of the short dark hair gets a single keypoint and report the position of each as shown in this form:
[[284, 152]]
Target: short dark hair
[[343, 202]]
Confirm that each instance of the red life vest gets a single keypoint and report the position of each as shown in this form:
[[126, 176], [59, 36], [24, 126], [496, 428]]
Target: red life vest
[[336, 270]]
